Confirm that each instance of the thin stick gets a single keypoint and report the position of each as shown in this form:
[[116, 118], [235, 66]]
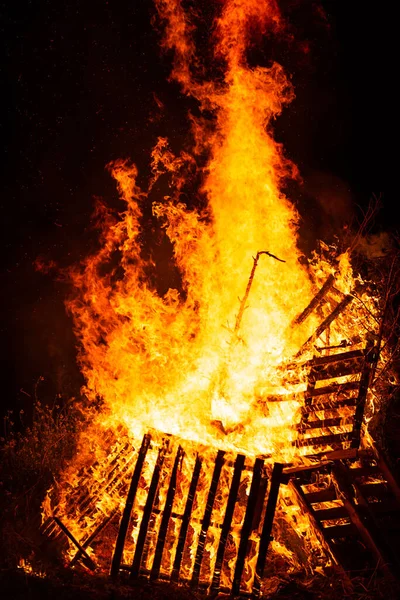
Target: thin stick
[[248, 288]]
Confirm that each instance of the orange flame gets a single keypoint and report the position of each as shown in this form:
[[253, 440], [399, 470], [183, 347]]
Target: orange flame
[[204, 360], [173, 362]]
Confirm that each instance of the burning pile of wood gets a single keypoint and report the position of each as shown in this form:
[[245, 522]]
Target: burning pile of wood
[[169, 509]]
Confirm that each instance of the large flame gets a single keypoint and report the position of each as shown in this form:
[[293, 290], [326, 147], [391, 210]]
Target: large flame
[[207, 359], [177, 362]]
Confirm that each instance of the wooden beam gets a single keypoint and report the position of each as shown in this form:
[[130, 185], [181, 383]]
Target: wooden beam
[[267, 527], [93, 535], [226, 525], [335, 388], [185, 519], [256, 490], [130, 499], [326, 322], [162, 532], [324, 440], [86, 558], [315, 302], [362, 394], [219, 462], [137, 558]]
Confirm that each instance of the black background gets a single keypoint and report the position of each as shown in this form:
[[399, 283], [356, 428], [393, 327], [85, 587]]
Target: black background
[[80, 84]]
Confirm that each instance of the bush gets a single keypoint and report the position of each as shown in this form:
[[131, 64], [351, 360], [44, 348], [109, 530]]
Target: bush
[[29, 461]]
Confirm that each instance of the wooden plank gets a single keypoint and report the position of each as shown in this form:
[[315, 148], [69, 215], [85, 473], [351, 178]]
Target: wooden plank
[[364, 471], [335, 358], [137, 558], [126, 515], [256, 490], [362, 393], [331, 514], [335, 370], [328, 405], [267, 527], [343, 454], [324, 495], [305, 468], [162, 532], [326, 322], [324, 423], [185, 519], [334, 388], [374, 489], [93, 536], [384, 507], [324, 440], [340, 531], [226, 525], [219, 462], [316, 301], [85, 556]]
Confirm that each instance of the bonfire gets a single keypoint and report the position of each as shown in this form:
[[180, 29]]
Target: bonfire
[[228, 433]]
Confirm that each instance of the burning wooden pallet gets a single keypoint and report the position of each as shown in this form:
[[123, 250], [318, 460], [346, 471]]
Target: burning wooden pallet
[[204, 518], [168, 509], [332, 414], [354, 508]]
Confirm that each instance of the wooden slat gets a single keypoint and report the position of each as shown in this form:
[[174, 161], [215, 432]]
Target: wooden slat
[[324, 423], [328, 405], [185, 519], [126, 515], [335, 358], [383, 507], [324, 440], [334, 388], [305, 469], [267, 527], [137, 558], [162, 532], [316, 301], [340, 531], [219, 462], [364, 471], [325, 495], [337, 369], [230, 507], [330, 514], [376, 489], [256, 490]]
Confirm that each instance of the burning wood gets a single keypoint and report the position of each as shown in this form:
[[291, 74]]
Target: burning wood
[[198, 440], [205, 517]]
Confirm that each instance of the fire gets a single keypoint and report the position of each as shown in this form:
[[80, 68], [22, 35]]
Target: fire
[[211, 359], [174, 362]]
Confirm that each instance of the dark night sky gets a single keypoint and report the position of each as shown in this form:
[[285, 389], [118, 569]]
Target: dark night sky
[[78, 91]]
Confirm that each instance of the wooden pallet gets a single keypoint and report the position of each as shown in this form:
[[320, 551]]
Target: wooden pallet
[[354, 508], [214, 534], [332, 413], [236, 518]]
